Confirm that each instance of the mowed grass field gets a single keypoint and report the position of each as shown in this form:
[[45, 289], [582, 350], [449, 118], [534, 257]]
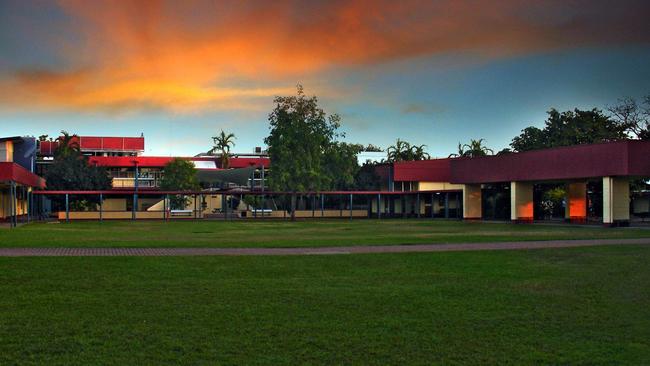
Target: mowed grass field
[[307, 233], [550, 306]]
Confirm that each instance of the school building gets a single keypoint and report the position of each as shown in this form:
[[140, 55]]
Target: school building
[[595, 177]]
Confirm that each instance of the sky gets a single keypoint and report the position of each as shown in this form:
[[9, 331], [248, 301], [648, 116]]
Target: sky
[[434, 72]]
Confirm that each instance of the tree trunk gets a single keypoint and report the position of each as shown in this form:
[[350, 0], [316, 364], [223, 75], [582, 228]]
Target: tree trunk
[[293, 206]]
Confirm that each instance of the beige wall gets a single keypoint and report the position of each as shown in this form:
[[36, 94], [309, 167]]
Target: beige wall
[[5, 203], [472, 201], [521, 201], [576, 201], [616, 199], [439, 186], [114, 204]]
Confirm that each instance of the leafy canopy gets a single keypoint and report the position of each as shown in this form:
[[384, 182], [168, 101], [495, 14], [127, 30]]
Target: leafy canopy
[[302, 146], [180, 175], [570, 128], [70, 170]]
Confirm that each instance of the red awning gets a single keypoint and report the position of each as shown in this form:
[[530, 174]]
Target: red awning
[[12, 172]]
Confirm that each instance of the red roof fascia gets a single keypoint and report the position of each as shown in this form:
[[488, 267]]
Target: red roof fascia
[[434, 170], [16, 173], [130, 161], [622, 158], [246, 162], [98, 143]]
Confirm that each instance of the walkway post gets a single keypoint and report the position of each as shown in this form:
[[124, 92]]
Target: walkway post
[[322, 205], [29, 205], [313, 206], [101, 207], [340, 205], [13, 210], [350, 206], [378, 206], [417, 204], [194, 199], [446, 205], [135, 203], [67, 207]]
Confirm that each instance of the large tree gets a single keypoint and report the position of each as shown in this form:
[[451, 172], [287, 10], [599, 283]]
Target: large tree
[[70, 170], [570, 128], [180, 175], [301, 145]]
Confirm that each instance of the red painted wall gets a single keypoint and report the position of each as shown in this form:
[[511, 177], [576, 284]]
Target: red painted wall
[[435, 170]]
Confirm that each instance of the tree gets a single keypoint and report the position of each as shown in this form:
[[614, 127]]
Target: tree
[[404, 151], [570, 128], [67, 144], [635, 117], [223, 142], [340, 164], [180, 175], [474, 149], [366, 178], [70, 171], [300, 145]]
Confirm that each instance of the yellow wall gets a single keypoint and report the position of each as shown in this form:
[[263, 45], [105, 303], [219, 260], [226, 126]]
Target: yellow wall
[[7, 151]]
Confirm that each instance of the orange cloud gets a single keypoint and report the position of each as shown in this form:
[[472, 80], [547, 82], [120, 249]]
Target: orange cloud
[[202, 54]]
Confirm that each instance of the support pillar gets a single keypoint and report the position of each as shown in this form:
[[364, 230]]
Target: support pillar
[[616, 201], [350, 206], [378, 205], [575, 210], [521, 202], [472, 202]]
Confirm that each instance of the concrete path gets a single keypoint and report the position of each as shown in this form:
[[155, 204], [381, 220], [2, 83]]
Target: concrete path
[[166, 252]]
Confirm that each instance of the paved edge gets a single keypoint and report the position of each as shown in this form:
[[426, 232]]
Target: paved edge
[[414, 248]]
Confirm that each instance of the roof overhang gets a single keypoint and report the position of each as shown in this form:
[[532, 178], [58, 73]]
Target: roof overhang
[[629, 158], [12, 172]]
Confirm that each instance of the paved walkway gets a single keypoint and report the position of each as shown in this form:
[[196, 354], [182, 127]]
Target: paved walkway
[[166, 252]]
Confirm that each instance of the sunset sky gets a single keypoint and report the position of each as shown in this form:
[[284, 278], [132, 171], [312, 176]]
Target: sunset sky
[[431, 72]]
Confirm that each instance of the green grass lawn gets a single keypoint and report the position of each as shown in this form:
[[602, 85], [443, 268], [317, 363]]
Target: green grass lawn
[[291, 234], [558, 306]]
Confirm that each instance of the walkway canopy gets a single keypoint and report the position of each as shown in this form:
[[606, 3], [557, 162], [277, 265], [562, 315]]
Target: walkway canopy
[[237, 176]]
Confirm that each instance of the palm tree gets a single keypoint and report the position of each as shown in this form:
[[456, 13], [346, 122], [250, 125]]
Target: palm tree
[[474, 149], [418, 153], [67, 144], [404, 151], [222, 143]]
